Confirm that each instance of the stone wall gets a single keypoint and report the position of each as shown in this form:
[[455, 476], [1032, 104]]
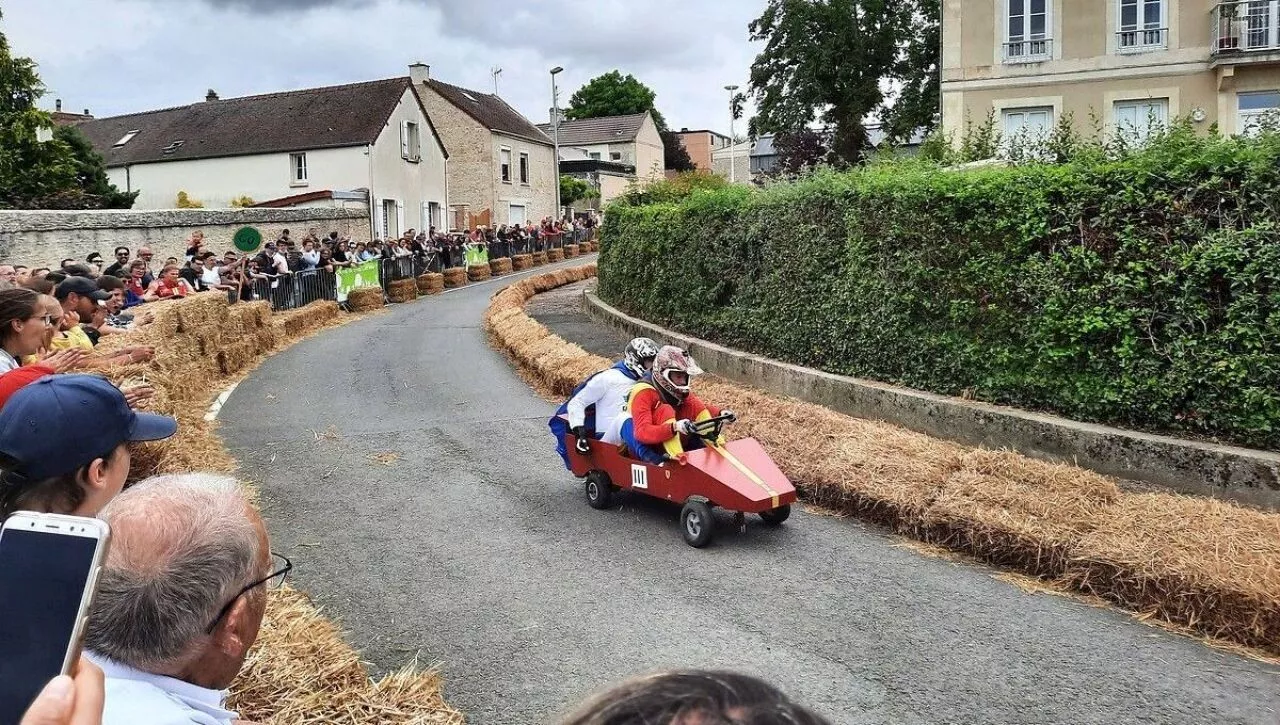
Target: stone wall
[[44, 238]]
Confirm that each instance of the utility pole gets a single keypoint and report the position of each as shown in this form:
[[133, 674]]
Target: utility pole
[[495, 72], [555, 129], [733, 140]]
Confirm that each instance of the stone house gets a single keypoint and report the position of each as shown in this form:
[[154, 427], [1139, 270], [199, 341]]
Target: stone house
[[629, 140], [502, 169], [373, 138]]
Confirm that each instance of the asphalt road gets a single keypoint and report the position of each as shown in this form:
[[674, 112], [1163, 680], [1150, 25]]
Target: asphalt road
[[409, 474]]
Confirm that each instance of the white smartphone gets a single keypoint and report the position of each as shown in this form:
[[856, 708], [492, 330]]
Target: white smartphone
[[49, 566]]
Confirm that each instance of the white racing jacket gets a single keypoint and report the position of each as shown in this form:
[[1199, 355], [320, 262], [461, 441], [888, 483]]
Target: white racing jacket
[[608, 392]]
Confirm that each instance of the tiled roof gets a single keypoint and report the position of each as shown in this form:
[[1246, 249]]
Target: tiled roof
[[315, 118], [490, 111], [593, 131]]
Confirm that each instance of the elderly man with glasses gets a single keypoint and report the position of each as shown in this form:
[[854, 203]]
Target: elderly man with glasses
[[181, 599]]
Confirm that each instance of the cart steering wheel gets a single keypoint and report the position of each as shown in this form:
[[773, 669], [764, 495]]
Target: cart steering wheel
[[710, 429]]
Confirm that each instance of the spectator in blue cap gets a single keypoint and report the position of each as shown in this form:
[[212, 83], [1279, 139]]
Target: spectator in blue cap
[[64, 445]]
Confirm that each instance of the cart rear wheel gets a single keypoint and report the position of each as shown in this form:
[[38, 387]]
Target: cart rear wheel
[[599, 490], [776, 516], [697, 524]]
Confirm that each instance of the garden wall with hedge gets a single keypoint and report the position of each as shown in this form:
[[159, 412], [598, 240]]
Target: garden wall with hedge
[[1142, 291]]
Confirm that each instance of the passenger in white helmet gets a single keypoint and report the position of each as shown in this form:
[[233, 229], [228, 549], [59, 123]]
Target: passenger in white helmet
[[590, 411]]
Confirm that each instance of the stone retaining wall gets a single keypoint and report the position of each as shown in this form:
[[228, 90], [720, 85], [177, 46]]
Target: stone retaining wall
[[1248, 476], [43, 238]]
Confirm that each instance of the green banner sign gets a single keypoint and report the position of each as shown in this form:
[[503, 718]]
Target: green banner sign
[[361, 275], [477, 255]]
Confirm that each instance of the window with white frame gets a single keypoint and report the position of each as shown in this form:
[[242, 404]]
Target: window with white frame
[[298, 167], [1143, 25], [1027, 124], [524, 168], [1027, 31], [505, 155], [410, 141], [595, 155], [1257, 111], [516, 214], [615, 155], [1138, 120]]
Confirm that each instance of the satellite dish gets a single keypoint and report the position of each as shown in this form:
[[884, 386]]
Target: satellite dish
[[247, 240]]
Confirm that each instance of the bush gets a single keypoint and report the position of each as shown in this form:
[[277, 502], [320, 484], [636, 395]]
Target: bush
[[1142, 290], [678, 187]]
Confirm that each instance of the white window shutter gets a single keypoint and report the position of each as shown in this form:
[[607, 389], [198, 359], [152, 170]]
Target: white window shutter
[[399, 219], [426, 217], [381, 225], [404, 139]]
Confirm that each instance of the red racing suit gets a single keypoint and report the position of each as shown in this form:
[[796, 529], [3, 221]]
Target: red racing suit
[[648, 428]]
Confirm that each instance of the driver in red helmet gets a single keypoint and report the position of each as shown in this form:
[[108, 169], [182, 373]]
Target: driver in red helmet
[[661, 412]]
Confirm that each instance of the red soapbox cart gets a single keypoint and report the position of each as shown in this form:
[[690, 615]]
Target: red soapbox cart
[[738, 476]]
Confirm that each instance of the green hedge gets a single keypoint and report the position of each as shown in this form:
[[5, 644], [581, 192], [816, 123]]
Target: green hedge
[[1142, 292]]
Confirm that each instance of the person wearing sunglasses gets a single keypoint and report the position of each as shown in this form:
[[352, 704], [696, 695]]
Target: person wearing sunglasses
[[181, 598], [27, 321]]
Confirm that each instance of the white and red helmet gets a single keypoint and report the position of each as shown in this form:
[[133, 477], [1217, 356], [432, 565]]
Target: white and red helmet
[[673, 371]]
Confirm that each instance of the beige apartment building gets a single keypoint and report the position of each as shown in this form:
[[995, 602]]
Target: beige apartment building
[[1130, 63]]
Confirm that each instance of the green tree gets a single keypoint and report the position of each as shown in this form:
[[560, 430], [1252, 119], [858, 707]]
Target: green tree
[[825, 61], [613, 94], [918, 76], [40, 167], [91, 171], [574, 189]]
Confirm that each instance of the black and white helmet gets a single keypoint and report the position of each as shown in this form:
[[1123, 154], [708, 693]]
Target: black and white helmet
[[640, 354]]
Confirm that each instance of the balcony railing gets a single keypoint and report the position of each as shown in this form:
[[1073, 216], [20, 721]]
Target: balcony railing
[[1248, 26], [1028, 51], [1140, 41]]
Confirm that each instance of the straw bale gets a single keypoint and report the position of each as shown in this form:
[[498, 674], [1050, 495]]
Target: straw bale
[[455, 277], [201, 311], [430, 283], [521, 262], [299, 322], [570, 251], [477, 272], [499, 266], [303, 673], [1212, 565], [403, 290], [555, 254], [363, 299], [538, 258]]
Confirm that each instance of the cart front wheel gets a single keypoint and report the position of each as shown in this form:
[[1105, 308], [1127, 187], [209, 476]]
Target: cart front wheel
[[776, 516], [599, 490], [697, 524]]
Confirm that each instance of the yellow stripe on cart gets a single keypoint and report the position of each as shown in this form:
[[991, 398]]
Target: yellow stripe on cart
[[733, 461]]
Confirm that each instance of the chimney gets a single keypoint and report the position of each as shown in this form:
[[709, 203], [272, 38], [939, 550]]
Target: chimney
[[57, 105], [551, 114], [684, 130], [211, 96], [419, 73], [86, 112]]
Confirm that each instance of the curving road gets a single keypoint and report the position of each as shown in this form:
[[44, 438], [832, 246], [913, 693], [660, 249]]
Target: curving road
[[409, 474]]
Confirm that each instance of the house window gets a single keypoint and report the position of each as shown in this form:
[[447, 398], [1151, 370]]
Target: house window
[[1138, 120], [1142, 26], [524, 168], [125, 138], [595, 155], [1257, 111], [410, 142], [433, 214], [506, 165], [1027, 124], [390, 219], [1027, 31], [615, 156], [516, 215], [298, 166]]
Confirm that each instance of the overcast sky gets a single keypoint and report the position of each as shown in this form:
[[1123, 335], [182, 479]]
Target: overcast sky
[[120, 56]]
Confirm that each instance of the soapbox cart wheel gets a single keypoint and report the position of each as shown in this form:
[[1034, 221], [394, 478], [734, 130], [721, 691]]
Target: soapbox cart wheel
[[776, 516], [697, 524], [599, 490]]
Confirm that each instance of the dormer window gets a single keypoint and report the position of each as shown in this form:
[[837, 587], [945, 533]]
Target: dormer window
[[173, 147], [125, 139]]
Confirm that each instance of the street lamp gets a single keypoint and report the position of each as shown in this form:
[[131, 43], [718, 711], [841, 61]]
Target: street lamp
[[555, 130], [733, 141]]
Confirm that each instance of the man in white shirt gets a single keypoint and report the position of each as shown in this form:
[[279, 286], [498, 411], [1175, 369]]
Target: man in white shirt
[[180, 600], [590, 411]]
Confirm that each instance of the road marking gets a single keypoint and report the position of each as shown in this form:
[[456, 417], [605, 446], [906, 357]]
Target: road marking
[[221, 400]]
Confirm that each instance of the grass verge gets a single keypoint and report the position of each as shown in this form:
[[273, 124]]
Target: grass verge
[[1207, 566]]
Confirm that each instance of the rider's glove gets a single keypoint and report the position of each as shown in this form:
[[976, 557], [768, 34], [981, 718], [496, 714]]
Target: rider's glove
[[581, 445], [729, 415], [686, 427]]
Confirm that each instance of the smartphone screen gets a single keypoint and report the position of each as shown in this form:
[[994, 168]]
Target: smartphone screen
[[42, 581]]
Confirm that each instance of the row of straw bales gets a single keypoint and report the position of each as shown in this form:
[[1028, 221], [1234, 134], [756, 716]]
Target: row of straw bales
[[431, 283], [1202, 564], [301, 671]]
